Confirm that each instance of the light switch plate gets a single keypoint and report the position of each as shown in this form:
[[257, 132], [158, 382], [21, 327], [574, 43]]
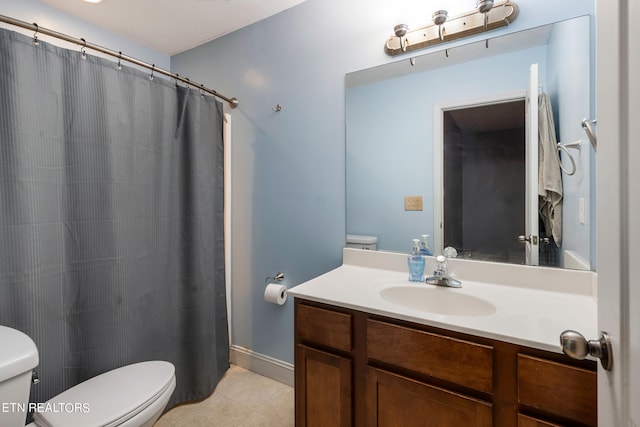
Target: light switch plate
[[413, 203]]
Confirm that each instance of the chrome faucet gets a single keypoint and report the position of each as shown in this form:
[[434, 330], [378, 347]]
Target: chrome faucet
[[441, 275]]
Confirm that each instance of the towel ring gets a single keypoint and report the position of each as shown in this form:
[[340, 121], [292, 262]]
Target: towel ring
[[573, 162]]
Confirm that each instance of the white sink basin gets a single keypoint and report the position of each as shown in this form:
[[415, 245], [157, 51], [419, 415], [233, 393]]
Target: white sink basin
[[437, 300]]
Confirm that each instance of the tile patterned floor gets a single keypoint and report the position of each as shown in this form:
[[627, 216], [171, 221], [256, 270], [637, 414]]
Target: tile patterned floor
[[241, 399]]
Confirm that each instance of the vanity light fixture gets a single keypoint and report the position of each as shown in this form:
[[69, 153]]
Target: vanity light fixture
[[484, 6], [439, 17], [487, 16], [400, 30]]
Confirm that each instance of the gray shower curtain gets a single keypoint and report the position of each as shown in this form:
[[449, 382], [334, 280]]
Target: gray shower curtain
[[111, 218]]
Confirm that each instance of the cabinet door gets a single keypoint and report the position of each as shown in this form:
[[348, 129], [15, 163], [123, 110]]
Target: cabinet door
[[393, 400], [323, 389], [526, 421]]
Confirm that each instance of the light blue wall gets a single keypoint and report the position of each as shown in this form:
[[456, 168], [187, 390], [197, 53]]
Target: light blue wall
[[47, 17], [288, 187], [570, 87]]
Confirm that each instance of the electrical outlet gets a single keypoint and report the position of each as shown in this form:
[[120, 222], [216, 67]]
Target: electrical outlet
[[581, 210], [413, 203]]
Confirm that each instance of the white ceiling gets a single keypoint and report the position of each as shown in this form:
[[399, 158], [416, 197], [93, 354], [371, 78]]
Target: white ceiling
[[172, 26]]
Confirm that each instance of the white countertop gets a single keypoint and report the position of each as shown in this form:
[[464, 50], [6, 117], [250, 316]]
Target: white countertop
[[527, 313]]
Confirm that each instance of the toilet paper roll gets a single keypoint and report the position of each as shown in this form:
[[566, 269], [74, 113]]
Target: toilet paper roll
[[275, 294]]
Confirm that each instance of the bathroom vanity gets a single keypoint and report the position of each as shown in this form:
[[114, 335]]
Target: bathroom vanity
[[368, 352]]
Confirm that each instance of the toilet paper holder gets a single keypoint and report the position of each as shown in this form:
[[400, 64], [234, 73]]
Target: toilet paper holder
[[279, 277], [275, 293]]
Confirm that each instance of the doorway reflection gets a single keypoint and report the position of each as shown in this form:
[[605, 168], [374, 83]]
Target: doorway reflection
[[484, 182]]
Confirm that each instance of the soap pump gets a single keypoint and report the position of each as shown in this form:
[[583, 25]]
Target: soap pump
[[425, 250], [416, 263]]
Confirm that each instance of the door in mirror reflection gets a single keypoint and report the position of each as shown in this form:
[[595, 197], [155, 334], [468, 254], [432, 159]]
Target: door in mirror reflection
[[490, 177]]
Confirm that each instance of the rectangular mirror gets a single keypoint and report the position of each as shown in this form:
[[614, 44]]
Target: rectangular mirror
[[396, 116]]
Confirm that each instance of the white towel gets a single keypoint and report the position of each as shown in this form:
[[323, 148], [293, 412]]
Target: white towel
[[549, 173]]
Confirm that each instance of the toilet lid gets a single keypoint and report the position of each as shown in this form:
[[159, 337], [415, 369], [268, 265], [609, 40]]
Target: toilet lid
[[18, 353], [108, 399]]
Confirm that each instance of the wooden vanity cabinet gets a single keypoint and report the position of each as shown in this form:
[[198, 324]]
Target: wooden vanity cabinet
[[357, 369], [323, 367]]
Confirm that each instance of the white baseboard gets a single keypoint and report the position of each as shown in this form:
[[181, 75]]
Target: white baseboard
[[261, 364]]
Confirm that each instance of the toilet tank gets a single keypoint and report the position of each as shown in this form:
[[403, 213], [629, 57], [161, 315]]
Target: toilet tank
[[362, 242], [18, 357]]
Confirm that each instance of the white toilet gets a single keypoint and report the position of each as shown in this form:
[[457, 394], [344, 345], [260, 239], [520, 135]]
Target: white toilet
[[131, 396]]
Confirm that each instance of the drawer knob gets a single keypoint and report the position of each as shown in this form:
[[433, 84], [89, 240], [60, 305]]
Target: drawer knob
[[576, 346]]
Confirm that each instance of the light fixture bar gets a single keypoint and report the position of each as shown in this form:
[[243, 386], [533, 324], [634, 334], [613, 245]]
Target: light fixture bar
[[466, 24]]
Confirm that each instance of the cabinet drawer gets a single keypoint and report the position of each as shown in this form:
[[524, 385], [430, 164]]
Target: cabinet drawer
[[449, 359], [558, 389], [324, 327]]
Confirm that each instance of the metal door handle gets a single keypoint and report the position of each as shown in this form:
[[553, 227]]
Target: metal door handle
[[531, 239], [575, 345]]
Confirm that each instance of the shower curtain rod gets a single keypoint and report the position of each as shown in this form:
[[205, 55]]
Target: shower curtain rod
[[233, 102]]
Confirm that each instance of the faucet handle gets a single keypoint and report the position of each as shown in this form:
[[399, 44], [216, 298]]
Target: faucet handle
[[441, 266], [450, 252]]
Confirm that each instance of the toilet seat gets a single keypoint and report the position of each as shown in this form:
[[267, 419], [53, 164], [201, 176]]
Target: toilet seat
[[109, 399]]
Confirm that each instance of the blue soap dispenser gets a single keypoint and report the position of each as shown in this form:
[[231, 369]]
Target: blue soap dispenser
[[425, 250], [416, 263]]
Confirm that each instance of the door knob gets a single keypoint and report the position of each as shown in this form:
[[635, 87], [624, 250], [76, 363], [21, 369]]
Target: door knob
[[531, 239], [576, 346]]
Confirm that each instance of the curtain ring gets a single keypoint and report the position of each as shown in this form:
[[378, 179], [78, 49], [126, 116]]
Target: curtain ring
[[202, 91], [153, 67], [35, 36], [119, 60], [83, 49], [175, 77]]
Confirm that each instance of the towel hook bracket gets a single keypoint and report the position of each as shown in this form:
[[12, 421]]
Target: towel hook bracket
[[587, 125]]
